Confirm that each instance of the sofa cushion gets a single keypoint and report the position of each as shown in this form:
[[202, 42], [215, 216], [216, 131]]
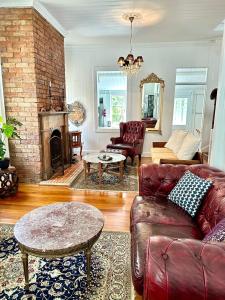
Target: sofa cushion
[[175, 141], [129, 148], [189, 147], [189, 192], [159, 153], [139, 238], [161, 150], [217, 234], [158, 210]]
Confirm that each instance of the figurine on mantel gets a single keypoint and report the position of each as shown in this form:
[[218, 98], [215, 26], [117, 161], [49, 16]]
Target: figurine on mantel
[[50, 106]]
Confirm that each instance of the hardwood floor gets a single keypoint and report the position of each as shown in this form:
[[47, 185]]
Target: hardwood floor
[[114, 205]]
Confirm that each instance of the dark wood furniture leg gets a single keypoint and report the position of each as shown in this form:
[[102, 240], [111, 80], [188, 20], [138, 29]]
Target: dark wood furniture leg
[[81, 147], [25, 269], [121, 169], [100, 171], [88, 257]]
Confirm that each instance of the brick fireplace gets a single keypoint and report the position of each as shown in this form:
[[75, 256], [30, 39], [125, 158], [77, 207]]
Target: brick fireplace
[[32, 56]]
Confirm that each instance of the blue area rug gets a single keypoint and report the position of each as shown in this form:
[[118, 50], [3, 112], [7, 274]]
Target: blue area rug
[[65, 278]]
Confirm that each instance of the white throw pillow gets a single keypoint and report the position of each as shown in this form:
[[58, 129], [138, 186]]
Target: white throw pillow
[[189, 147], [175, 141]]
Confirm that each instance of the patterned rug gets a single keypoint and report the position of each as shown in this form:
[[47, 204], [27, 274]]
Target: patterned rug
[[65, 278], [109, 182], [70, 174]]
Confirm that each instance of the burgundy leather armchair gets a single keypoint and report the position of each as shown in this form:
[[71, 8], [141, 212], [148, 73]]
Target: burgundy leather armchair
[[131, 139], [169, 259]]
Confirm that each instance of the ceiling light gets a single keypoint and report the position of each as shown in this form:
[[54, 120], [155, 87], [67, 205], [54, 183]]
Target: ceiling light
[[130, 65]]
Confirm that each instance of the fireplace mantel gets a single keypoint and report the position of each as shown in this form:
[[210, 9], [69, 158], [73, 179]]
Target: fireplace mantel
[[49, 113]]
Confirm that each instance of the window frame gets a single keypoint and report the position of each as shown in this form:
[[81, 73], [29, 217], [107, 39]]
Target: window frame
[[105, 129], [187, 83]]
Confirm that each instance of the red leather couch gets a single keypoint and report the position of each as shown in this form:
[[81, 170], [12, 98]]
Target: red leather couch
[[169, 259]]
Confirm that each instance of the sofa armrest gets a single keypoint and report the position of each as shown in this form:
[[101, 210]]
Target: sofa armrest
[[158, 144], [179, 161], [184, 269], [116, 140], [159, 180]]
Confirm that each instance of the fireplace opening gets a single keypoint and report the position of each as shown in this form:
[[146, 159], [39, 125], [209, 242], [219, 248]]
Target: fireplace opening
[[56, 151]]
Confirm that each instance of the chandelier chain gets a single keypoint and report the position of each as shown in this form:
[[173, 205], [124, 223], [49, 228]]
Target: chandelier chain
[[131, 33]]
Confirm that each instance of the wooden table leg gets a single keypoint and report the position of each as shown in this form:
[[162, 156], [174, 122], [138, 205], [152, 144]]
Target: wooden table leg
[[121, 169], [85, 169], [81, 147], [100, 171], [88, 257], [25, 269]]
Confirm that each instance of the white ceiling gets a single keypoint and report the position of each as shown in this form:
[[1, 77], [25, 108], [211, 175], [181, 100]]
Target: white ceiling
[[100, 21]]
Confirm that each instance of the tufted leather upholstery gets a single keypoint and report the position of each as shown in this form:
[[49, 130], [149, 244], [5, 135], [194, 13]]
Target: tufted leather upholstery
[[131, 138], [158, 223], [184, 269]]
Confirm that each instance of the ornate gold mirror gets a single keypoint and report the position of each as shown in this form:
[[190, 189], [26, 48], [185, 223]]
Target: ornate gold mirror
[[152, 89], [77, 113]]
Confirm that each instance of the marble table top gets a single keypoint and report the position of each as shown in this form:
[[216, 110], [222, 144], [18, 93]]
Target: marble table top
[[93, 158], [59, 226]]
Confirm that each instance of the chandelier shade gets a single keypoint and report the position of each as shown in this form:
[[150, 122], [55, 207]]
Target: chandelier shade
[[130, 65]]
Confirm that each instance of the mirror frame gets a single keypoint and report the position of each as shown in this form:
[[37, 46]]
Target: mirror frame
[[153, 78], [73, 107]]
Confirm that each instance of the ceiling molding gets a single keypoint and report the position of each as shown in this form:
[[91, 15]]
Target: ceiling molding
[[148, 45], [39, 7]]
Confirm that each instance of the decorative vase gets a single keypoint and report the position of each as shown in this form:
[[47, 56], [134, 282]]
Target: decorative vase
[[4, 163]]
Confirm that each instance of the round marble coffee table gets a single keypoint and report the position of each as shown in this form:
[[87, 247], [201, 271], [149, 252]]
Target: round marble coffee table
[[103, 165], [58, 230]]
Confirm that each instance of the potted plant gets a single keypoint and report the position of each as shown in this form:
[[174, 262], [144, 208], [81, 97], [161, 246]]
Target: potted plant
[[8, 129]]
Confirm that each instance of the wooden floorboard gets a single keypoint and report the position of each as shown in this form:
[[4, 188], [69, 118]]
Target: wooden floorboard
[[114, 205]]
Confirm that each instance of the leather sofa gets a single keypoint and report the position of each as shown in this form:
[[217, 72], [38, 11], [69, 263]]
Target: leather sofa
[[169, 259]]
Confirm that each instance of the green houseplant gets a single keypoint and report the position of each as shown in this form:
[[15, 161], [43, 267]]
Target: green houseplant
[[8, 129]]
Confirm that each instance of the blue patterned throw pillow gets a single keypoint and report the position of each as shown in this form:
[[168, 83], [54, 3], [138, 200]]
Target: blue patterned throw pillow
[[189, 192]]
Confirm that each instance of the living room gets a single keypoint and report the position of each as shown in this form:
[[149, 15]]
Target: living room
[[106, 108]]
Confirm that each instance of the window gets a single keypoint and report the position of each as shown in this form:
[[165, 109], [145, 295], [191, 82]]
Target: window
[[180, 109], [189, 98], [112, 98]]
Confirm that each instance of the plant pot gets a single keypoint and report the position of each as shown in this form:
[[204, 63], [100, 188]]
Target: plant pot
[[4, 163]]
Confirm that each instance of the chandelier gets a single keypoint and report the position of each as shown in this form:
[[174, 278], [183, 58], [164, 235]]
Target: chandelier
[[130, 65]]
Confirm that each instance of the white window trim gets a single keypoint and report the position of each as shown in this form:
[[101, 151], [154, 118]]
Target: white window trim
[[97, 128], [2, 107], [196, 83]]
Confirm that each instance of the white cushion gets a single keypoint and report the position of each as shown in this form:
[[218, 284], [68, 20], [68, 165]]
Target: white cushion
[[189, 147], [175, 141]]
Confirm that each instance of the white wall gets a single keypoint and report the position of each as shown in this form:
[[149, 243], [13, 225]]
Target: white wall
[[2, 107], [162, 59], [217, 158]]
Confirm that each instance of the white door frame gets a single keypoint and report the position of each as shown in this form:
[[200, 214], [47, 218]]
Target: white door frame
[[2, 105]]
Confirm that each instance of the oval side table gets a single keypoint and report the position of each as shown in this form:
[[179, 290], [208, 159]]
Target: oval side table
[[58, 230]]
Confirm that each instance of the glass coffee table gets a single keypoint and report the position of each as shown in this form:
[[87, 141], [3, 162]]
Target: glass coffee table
[[93, 163], [58, 230]]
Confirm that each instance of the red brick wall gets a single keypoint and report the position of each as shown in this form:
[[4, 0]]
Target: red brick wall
[[26, 45], [49, 63]]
